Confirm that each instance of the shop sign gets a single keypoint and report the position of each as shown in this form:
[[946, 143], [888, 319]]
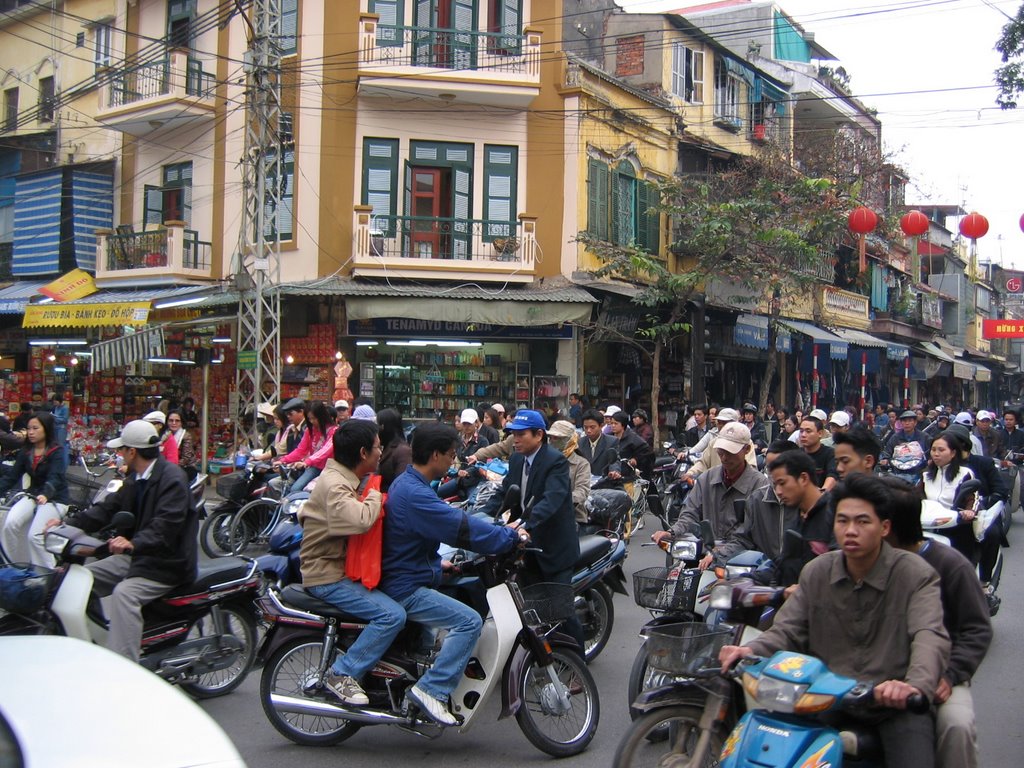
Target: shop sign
[[76, 284], [963, 371], [247, 359], [399, 327], [86, 315], [1002, 329]]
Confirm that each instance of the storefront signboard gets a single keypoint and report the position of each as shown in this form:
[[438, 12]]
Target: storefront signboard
[[86, 315], [1002, 329], [76, 284], [399, 327]]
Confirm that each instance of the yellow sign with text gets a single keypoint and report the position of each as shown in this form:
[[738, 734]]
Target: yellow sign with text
[[86, 315], [76, 284]]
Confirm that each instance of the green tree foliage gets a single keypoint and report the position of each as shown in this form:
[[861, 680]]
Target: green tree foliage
[[1010, 76]]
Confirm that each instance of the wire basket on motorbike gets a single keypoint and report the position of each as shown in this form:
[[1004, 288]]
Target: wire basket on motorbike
[[665, 589], [686, 648], [24, 587], [232, 487], [547, 603]]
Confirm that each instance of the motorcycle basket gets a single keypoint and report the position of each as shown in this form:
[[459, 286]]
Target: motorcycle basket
[[654, 588], [548, 603], [24, 588], [684, 649], [232, 487]]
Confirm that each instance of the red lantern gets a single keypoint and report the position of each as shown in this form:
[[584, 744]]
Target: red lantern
[[862, 220], [914, 224], [973, 225], [1022, 223]]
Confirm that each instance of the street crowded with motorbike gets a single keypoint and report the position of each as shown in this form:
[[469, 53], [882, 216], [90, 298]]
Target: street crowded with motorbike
[[818, 593]]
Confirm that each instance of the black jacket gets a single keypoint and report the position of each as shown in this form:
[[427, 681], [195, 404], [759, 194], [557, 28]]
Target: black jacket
[[551, 519], [166, 525], [48, 477], [632, 446], [818, 536], [603, 457]]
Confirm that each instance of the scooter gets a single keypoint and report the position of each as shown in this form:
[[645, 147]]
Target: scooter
[[542, 679], [201, 635]]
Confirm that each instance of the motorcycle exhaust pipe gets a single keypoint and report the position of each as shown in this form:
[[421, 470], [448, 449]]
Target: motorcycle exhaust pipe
[[297, 706]]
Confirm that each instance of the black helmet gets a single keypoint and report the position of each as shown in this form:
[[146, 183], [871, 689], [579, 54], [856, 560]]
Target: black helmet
[[641, 413], [748, 408]]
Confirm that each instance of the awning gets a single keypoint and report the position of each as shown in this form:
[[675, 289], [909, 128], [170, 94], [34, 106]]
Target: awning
[[752, 331], [937, 353], [893, 351], [982, 373], [837, 348], [128, 350], [14, 298], [964, 370]]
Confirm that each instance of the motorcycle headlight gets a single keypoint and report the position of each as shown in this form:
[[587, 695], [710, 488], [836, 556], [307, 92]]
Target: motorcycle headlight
[[55, 543], [721, 597], [295, 506], [735, 571], [684, 549], [778, 695]]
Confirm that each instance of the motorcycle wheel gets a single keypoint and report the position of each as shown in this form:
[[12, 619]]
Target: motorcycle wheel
[[596, 612], [559, 734], [215, 535], [286, 673], [681, 729], [250, 528], [241, 624]]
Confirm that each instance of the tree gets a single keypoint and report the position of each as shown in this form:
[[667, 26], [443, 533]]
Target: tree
[[1010, 76], [759, 223]]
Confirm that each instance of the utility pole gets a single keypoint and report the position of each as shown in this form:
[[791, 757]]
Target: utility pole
[[258, 273]]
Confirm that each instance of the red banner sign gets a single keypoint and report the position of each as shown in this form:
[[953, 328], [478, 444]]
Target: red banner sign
[[1002, 329]]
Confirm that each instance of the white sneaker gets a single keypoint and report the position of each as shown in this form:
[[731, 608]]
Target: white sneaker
[[433, 708]]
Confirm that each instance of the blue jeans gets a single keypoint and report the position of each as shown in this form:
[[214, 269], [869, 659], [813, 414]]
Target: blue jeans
[[308, 475], [437, 611], [386, 619]]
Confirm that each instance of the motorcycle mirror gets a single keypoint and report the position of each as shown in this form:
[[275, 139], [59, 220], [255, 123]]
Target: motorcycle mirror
[[707, 534], [792, 542], [511, 503], [739, 507], [122, 521], [965, 490]]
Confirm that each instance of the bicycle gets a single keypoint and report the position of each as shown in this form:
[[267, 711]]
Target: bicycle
[[251, 526]]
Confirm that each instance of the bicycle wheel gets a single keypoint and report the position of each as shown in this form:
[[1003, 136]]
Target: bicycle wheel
[[215, 535], [251, 527], [681, 727]]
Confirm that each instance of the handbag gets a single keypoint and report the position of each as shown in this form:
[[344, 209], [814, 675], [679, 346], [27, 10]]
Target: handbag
[[362, 558]]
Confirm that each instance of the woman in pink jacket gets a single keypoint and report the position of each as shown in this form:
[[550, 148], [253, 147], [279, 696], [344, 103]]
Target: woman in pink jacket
[[311, 454]]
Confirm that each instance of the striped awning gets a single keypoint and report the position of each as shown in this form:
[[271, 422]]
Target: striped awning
[[128, 350]]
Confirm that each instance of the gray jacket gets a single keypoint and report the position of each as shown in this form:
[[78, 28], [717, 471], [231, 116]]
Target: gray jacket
[[764, 525], [709, 499]]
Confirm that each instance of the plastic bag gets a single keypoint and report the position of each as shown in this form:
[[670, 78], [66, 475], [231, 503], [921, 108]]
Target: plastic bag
[[362, 558]]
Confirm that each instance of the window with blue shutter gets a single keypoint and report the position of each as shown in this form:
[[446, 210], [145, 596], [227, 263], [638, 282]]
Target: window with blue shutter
[[380, 182], [391, 22], [289, 27], [597, 199]]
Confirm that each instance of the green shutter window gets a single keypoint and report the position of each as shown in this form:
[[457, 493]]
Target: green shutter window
[[597, 202], [509, 26], [153, 206], [392, 21], [286, 207], [500, 167], [380, 182], [648, 217]]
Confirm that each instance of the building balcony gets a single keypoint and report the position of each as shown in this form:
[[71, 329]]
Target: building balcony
[[444, 248], [158, 94], [844, 308], [470, 66], [172, 253]]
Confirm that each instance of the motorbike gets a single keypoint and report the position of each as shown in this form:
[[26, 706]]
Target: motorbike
[[1010, 469], [938, 522], [201, 635], [542, 679], [237, 489], [780, 729], [676, 653]]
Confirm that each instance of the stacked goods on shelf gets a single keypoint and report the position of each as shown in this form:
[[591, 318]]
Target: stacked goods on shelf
[[316, 348]]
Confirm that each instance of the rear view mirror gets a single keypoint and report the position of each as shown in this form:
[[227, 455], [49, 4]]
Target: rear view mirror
[[122, 521], [707, 534], [792, 543], [739, 507]]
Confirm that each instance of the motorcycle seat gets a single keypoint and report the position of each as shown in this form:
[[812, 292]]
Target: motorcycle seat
[[592, 549], [296, 597], [212, 573]]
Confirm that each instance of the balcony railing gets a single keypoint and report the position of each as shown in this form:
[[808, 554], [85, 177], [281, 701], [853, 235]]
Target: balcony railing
[[444, 245], [157, 78], [844, 306], [171, 250], [450, 49]]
